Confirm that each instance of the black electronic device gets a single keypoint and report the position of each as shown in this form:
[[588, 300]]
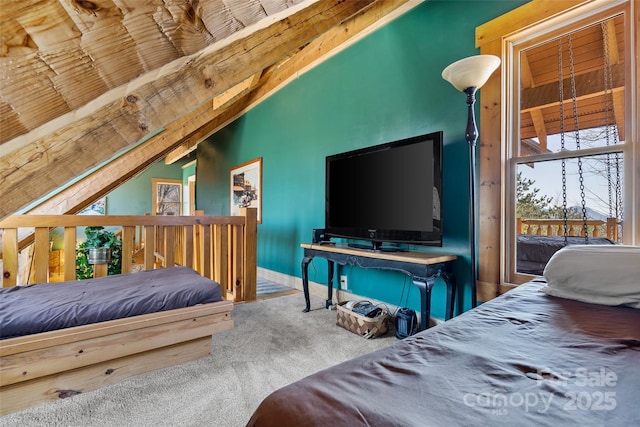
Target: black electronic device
[[387, 193], [406, 323], [318, 235]]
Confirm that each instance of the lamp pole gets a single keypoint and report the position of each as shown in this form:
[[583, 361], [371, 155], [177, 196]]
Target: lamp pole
[[468, 75], [471, 135]]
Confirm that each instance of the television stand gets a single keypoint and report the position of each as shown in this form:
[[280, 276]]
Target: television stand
[[423, 268]]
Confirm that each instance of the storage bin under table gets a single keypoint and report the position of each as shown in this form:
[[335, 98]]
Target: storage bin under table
[[423, 268]]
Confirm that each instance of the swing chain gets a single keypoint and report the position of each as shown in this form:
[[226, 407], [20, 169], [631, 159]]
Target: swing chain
[[562, 143], [577, 136]]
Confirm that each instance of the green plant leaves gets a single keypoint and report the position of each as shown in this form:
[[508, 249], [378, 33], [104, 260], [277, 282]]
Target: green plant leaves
[[98, 237]]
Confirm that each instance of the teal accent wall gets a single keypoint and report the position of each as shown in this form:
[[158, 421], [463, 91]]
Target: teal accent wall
[[388, 86]]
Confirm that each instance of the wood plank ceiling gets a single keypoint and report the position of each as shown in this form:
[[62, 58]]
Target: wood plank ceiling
[[596, 62], [102, 89]]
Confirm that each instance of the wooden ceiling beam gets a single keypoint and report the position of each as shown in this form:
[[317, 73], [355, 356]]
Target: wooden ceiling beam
[[226, 100], [587, 85], [525, 71], [236, 91], [618, 112], [320, 49], [204, 120], [82, 193], [219, 104], [611, 39], [50, 158], [537, 115], [541, 129]]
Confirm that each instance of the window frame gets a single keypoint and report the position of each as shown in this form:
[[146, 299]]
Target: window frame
[[499, 125], [155, 182]]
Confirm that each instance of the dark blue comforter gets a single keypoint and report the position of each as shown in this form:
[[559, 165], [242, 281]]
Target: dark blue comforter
[[26, 310]]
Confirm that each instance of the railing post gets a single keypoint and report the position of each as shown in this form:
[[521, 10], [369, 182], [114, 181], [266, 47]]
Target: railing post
[[236, 269], [207, 262], [128, 248], [100, 270], [221, 254], [250, 253], [612, 229], [149, 247], [188, 246], [70, 253], [169, 245], [198, 245], [41, 255], [10, 257]]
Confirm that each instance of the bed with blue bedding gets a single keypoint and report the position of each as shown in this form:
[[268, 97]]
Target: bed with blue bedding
[[27, 310]]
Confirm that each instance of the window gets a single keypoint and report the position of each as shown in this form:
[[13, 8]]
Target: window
[[567, 150], [167, 196], [566, 140]]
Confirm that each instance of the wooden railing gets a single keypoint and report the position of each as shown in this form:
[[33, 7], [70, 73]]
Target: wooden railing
[[575, 227], [222, 248]]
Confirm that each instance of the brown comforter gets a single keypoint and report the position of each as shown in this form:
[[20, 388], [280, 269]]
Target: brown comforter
[[525, 358]]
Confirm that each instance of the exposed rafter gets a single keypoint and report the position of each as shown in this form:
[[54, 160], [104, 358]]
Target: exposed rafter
[[47, 158], [318, 50], [253, 69]]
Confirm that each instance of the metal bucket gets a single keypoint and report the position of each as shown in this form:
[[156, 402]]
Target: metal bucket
[[99, 255]]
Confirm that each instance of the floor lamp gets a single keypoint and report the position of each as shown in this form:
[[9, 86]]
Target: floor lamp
[[468, 75]]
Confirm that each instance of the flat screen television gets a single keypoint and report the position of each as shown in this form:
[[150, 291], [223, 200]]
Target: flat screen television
[[387, 193]]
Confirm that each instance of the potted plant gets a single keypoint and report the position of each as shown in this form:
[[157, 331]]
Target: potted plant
[[100, 246]]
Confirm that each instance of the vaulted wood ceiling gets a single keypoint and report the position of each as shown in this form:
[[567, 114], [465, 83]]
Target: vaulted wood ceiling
[[102, 89]]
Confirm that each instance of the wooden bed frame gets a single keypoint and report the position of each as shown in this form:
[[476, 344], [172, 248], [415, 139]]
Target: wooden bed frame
[[62, 363]]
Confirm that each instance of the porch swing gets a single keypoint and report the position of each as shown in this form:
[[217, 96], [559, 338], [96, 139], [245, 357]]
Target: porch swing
[[534, 251]]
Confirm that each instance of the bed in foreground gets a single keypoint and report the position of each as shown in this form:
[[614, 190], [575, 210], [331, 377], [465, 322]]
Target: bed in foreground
[[525, 358]]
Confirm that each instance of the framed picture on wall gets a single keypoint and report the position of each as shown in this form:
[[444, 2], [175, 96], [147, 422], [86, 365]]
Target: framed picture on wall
[[246, 187], [99, 207]]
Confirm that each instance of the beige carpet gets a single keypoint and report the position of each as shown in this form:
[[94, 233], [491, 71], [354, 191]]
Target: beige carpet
[[273, 343]]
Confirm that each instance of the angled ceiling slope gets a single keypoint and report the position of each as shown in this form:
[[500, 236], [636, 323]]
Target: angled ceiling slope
[[82, 82]]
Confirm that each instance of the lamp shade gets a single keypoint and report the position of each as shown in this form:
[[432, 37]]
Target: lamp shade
[[473, 71]]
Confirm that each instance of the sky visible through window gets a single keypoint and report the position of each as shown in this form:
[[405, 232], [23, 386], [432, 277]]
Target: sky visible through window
[[602, 175]]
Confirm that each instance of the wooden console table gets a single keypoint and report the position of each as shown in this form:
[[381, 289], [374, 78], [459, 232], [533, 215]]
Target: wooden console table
[[423, 268]]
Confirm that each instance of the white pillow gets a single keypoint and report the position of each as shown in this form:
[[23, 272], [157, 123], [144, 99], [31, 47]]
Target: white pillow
[[599, 274]]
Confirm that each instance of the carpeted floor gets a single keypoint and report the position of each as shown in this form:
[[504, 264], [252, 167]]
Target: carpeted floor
[[273, 344]]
